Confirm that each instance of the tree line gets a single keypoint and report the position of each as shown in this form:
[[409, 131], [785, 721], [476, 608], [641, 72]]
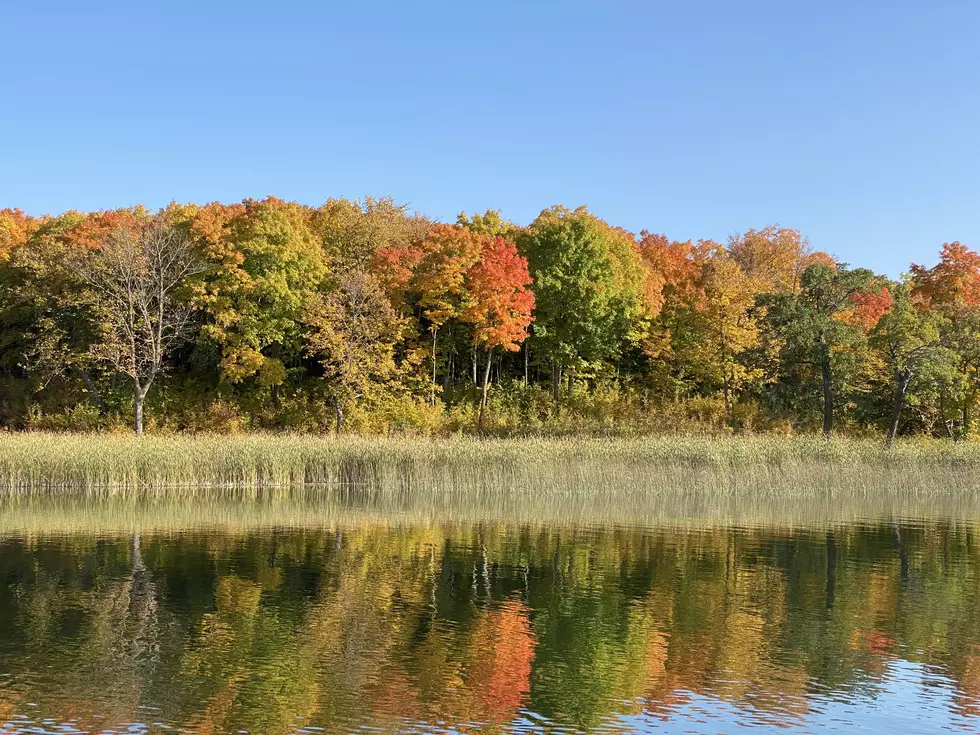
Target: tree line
[[362, 315]]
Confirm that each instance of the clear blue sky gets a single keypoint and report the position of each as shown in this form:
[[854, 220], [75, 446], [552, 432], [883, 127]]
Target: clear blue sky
[[856, 122]]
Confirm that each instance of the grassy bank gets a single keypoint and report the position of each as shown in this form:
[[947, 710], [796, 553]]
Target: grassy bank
[[788, 467]]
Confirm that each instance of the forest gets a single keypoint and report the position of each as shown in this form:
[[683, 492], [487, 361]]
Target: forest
[[365, 317]]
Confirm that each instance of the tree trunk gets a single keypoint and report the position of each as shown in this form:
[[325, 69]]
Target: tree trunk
[[432, 390], [902, 380], [527, 362], [947, 425], [339, 411], [451, 365], [275, 397], [967, 418], [139, 394], [556, 385], [93, 391], [724, 366], [828, 393], [483, 396]]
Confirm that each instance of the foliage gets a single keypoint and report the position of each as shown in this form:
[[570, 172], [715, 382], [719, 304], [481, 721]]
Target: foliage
[[367, 315], [589, 286], [353, 333]]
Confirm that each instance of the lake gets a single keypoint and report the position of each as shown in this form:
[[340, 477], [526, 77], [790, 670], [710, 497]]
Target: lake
[[361, 620]]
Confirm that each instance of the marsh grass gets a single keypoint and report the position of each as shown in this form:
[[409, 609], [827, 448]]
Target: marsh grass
[[472, 468]]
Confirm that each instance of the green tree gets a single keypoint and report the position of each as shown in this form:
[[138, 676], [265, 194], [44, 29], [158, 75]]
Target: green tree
[[588, 286], [817, 329], [911, 342]]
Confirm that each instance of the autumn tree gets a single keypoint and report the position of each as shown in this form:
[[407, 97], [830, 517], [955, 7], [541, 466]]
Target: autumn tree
[[499, 303], [952, 287], [489, 223], [673, 291], [775, 257], [429, 279], [136, 276], [352, 232], [52, 326], [353, 331], [264, 266], [16, 229], [727, 322], [953, 282]]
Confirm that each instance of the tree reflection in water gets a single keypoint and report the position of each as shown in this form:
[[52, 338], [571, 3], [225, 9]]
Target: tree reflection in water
[[489, 627]]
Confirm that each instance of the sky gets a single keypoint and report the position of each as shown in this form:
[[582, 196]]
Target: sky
[[855, 122]]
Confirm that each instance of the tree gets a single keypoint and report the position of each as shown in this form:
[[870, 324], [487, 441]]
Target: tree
[[499, 303], [44, 309], [952, 287], [776, 257], [910, 338], [265, 264], [727, 324], [16, 229], [353, 333], [351, 232], [589, 286], [489, 223], [438, 279], [51, 324], [674, 290], [817, 326], [136, 277], [954, 281]]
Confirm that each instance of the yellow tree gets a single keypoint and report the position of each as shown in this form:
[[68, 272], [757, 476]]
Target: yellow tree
[[265, 264], [439, 279], [731, 323], [716, 323], [776, 256]]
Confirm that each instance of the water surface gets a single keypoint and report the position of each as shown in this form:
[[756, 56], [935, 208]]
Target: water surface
[[357, 622]]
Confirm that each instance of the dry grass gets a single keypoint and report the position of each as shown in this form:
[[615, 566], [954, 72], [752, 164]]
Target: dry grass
[[52, 483], [89, 463]]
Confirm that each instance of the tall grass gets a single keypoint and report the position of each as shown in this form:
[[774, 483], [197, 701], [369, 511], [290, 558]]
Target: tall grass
[[731, 466]]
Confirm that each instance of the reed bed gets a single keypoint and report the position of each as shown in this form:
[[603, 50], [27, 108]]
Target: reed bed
[[471, 467]]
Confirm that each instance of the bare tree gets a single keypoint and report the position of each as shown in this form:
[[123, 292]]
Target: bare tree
[[135, 277]]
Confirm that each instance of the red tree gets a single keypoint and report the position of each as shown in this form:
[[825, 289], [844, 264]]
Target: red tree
[[500, 303], [954, 281]]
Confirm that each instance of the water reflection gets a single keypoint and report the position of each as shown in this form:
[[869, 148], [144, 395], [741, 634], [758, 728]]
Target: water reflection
[[452, 626]]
